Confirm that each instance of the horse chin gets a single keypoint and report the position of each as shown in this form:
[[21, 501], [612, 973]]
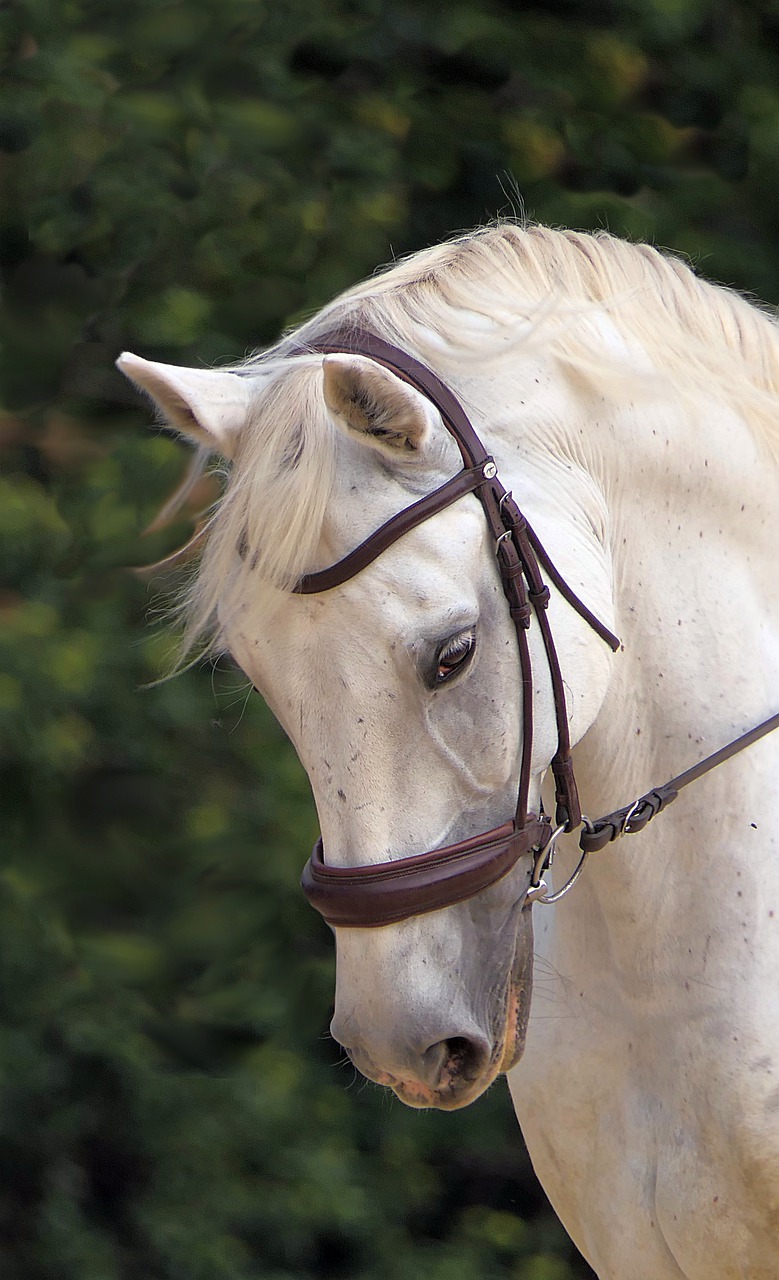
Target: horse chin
[[443, 1098], [451, 1093]]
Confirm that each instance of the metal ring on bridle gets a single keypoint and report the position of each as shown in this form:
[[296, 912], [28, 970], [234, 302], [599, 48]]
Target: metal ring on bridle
[[550, 898], [538, 891]]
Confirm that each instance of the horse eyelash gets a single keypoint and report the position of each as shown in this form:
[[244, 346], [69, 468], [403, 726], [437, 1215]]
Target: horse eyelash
[[462, 642]]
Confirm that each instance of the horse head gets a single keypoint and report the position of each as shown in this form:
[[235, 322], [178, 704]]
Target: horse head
[[400, 689]]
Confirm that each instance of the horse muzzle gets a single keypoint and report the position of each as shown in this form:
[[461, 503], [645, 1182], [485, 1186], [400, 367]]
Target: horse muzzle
[[446, 1075]]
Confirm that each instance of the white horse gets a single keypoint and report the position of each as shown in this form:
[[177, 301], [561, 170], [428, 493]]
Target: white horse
[[634, 411]]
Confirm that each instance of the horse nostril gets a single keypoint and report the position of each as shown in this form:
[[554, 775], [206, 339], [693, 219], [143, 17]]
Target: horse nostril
[[444, 1065], [467, 1058], [456, 1059]]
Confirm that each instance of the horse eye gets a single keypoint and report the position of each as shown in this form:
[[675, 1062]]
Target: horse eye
[[455, 655]]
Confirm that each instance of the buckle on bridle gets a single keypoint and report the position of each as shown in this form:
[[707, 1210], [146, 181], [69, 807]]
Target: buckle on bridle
[[624, 826]]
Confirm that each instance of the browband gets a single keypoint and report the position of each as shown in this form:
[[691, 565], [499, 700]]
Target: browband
[[369, 550]]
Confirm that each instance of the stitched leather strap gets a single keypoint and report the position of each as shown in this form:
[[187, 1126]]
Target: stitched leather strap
[[369, 896], [565, 591]]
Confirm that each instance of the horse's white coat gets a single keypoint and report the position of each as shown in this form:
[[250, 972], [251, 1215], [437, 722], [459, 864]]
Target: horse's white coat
[[648, 1091]]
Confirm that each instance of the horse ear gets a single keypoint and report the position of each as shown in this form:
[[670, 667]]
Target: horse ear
[[367, 399], [209, 406]]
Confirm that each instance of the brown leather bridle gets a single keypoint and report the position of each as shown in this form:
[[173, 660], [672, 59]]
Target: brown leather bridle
[[384, 893]]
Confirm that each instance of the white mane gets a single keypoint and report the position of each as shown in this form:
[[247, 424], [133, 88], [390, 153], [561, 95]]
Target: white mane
[[475, 297]]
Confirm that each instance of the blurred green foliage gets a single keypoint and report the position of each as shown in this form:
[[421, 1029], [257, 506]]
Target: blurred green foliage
[[185, 179]]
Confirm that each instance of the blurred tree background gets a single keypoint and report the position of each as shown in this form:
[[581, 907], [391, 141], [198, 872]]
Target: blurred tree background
[[184, 178]]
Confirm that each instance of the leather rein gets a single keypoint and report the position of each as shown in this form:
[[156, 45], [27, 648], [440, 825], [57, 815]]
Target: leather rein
[[373, 895]]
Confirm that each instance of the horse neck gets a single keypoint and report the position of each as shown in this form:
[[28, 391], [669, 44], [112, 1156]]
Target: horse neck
[[692, 502]]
